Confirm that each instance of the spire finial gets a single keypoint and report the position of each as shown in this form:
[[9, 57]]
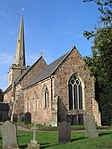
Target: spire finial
[[41, 54], [22, 11]]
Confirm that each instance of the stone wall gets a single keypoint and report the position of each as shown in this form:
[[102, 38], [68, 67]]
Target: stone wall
[[8, 96], [14, 73], [42, 115], [29, 76], [57, 86]]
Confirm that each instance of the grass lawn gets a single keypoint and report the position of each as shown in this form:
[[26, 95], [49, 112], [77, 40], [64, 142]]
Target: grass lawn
[[49, 140]]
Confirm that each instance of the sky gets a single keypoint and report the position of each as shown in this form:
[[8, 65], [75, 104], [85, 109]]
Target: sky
[[52, 27]]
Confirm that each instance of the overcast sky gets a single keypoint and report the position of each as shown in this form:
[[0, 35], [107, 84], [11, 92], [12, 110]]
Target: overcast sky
[[52, 27]]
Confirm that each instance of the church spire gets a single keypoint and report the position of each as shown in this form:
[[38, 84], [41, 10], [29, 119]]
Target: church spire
[[19, 58]]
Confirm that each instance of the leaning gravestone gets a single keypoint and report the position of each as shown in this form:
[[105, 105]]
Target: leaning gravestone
[[64, 132], [9, 137], [90, 126]]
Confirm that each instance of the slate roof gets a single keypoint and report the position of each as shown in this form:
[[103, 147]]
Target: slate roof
[[47, 71], [24, 73], [8, 89]]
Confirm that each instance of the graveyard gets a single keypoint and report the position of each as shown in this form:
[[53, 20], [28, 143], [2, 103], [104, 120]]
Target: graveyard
[[23, 134], [48, 138], [62, 97]]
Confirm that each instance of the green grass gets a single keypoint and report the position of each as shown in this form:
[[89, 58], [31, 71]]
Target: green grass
[[49, 140], [51, 128]]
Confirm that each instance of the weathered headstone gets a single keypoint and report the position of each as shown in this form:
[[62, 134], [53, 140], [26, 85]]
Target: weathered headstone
[[33, 144], [27, 118], [90, 126], [69, 118], [80, 119], [64, 132], [9, 137], [4, 108], [0, 116], [15, 117], [4, 116], [21, 117], [74, 120]]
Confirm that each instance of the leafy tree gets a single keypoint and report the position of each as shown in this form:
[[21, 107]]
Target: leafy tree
[[101, 61], [1, 95], [105, 8]]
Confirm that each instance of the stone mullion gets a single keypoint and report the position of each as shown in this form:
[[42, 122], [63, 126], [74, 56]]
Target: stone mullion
[[73, 96], [77, 97]]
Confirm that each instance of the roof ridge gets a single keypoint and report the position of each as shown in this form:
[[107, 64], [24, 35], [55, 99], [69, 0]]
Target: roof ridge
[[46, 72], [24, 73], [63, 58]]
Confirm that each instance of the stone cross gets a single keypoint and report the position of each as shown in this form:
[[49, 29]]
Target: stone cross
[[9, 137], [33, 144], [34, 134], [90, 126]]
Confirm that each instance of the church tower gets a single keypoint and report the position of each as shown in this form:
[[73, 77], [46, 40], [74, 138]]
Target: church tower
[[19, 66]]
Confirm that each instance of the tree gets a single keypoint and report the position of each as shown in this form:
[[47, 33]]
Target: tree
[[101, 61], [104, 7], [1, 95]]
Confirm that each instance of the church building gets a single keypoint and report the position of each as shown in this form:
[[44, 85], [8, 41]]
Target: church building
[[51, 93]]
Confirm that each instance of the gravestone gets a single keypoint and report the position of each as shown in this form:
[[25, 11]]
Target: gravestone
[[64, 132], [0, 116], [15, 117], [90, 126], [80, 119], [74, 120], [69, 118], [21, 117], [4, 116], [9, 137], [4, 108], [27, 118]]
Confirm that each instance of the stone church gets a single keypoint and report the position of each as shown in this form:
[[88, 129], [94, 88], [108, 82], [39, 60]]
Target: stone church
[[51, 93]]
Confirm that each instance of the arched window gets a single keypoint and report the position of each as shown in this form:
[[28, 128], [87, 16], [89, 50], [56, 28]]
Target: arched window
[[75, 93], [35, 101], [27, 104], [45, 97]]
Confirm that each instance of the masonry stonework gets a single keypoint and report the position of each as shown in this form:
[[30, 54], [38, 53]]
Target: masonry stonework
[[74, 64], [26, 86], [42, 115]]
